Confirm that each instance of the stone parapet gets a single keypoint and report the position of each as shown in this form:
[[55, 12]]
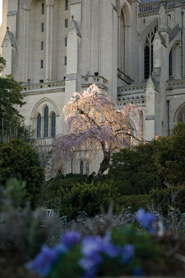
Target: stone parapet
[[173, 84], [131, 88], [43, 87], [43, 142], [100, 81], [134, 94], [147, 9], [133, 99]]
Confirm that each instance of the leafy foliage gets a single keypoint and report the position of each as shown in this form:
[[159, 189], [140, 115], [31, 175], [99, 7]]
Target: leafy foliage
[[19, 160], [15, 191], [170, 156], [156, 164], [11, 121], [69, 198], [134, 171], [22, 231], [10, 98]]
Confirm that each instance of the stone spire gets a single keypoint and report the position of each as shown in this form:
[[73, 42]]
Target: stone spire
[[163, 17]]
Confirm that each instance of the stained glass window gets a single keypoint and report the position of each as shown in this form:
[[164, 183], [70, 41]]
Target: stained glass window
[[39, 126], [81, 167], [170, 63], [53, 124], [87, 168], [46, 113], [181, 115], [148, 52]]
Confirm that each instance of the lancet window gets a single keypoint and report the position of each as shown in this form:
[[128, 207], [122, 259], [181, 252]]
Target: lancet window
[[148, 52], [38, 126], [170, 63], [46, 115], [53, 124]]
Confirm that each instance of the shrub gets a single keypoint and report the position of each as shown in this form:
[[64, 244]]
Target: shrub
[[19, 160], [69, 198], [134, 171], [134, 202], [168, 199], [15, 191], [87, 197], [53, 188]]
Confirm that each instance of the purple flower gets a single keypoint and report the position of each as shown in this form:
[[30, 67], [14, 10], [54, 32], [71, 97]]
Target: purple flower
[[42, 264], [127, 253], [70, 238], [111, 250], [146, 220], [92, 250], [90, 262], [91, 245]]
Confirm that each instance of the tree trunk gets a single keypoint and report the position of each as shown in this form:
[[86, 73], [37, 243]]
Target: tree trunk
[[104, 165]]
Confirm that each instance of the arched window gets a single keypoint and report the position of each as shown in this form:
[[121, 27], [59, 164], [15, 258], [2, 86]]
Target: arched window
[[181, 115], [87, 168], [148, 52], [39, 126], [46, 113], [53, 124], [122, 43], [170, 63], [81, 167]]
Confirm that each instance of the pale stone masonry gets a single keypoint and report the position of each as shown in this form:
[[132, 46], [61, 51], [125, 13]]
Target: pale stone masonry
[[133, 50]]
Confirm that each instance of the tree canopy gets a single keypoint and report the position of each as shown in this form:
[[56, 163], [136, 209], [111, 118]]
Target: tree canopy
[[163, 157], [19, 160], [10, 100], [93, 123]]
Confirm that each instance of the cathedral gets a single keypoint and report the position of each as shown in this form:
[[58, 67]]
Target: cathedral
[[133, 50]]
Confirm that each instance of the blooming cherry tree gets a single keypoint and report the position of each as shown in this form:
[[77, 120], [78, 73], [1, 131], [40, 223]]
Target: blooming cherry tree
[[93, 123]]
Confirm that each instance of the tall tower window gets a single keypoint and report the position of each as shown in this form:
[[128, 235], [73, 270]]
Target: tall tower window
[[170, 63], [53, 124], [42, 8], [66, 23], [65, 41], [65, 60], [66, 5], [39, 126], [148, 52], [42, 45], [42, 27], [41, 64], [46, 113]]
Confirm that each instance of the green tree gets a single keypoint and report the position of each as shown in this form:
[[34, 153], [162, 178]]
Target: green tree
[[170, 156], [19, 160], [10, 100], [159, 161], [134, 171]]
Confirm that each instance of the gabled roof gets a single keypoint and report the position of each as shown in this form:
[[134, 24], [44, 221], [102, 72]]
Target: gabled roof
[[174, 32], [10, 37], [75, 25]]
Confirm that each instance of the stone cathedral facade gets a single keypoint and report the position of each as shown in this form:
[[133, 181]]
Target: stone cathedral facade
[[133, 50]]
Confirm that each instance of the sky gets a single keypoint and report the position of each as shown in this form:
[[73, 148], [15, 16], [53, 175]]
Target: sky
[[0, 12]]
